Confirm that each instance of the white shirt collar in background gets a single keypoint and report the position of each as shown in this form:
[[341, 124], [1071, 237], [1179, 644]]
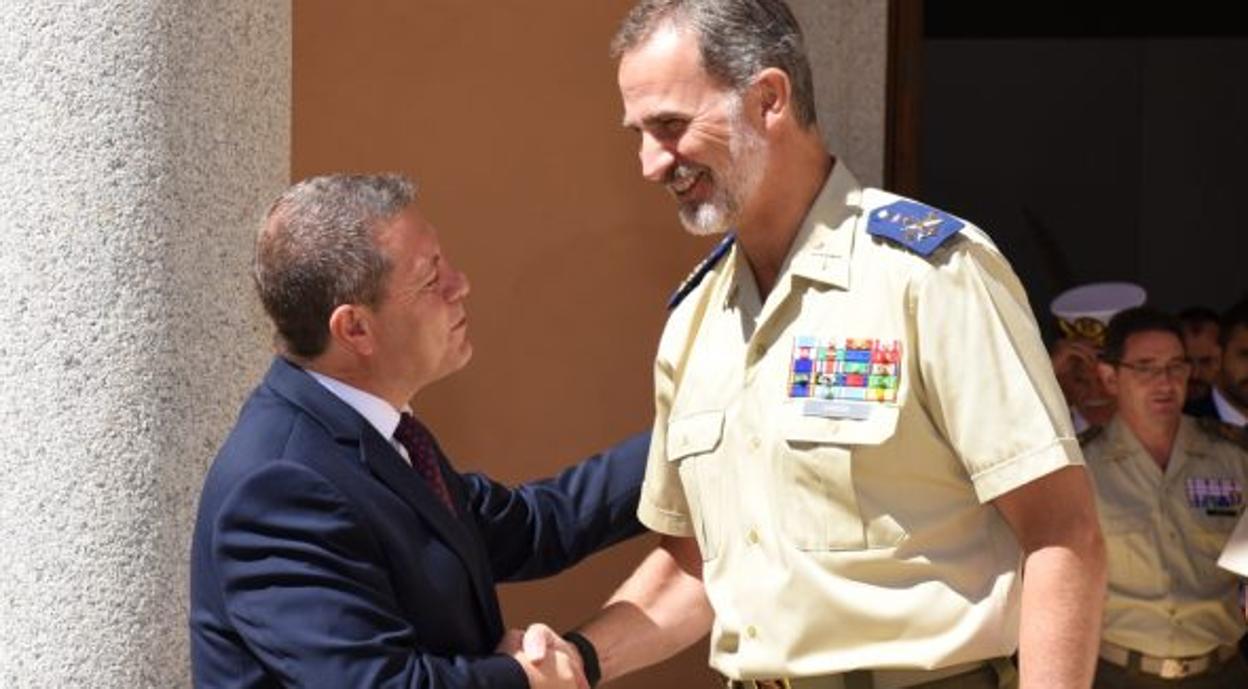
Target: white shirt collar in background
[[1226, 412]]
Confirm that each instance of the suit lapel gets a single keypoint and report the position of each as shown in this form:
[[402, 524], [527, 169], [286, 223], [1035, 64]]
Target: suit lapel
[[385, 463], [483, 573]]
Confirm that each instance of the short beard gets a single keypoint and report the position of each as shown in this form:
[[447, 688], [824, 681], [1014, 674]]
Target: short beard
[[748, 161]]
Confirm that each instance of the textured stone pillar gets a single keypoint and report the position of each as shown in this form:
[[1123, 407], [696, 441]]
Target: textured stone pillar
[[848, 45], [140, 141]]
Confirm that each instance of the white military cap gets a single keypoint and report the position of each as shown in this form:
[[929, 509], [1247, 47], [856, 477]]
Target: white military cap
[[1084, 311]]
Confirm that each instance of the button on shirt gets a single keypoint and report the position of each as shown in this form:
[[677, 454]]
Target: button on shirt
[[1163, 534], [846, 536]]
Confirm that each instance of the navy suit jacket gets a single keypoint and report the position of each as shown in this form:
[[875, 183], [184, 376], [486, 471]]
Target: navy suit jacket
[[1202, 408], [322, 559]]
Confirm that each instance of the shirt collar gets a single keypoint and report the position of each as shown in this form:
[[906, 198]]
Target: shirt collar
[[378, 412], [1226, 411], [822, 247], [1188, 442]]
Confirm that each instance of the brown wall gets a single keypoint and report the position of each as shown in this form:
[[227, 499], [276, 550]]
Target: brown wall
[[507, 113]]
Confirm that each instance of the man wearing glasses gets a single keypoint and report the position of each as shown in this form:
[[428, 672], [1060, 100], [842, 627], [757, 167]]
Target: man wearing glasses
[[1170, 490]]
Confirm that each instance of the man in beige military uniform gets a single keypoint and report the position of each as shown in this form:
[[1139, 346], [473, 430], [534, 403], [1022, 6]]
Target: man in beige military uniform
[[858, 436], [1170, 489]]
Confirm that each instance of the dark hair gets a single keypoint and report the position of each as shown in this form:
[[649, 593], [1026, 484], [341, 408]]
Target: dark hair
[[1141, 319], [737, 39], [1235, 317], [316, 250], [1197, 318]]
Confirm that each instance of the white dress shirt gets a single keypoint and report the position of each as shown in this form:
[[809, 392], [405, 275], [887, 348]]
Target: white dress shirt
[[378, 412], [1227, 411]]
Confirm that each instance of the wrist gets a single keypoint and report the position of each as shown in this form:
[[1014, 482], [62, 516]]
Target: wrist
[[589, 656]]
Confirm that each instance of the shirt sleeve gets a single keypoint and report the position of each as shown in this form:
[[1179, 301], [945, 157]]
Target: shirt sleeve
[[986, 373], [543, 527], [663, 506]]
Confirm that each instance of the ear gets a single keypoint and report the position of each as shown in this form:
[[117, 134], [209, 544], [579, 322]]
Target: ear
[[351, 328], [1109, 377], [774, 93]]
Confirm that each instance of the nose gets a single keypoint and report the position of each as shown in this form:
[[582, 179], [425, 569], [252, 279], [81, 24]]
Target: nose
[[656, 159], [456, 285]]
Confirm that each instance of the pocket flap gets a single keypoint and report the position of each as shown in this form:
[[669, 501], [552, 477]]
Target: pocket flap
[[878, 426], [694, 434], [1121, 522]]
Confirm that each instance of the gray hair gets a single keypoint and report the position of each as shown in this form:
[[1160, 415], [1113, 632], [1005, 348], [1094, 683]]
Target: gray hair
[[316, 250], [737, 39]]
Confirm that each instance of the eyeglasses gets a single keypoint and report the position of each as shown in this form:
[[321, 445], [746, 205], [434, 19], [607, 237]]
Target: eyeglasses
[[1149, 373]]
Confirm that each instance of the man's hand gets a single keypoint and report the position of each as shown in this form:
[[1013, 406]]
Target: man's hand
[[1074, 365], [547, 658]]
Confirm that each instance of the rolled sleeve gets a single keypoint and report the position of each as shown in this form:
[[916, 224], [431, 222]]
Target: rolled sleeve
[[999, 479], [663, 506], [664, 522], [988, 374]]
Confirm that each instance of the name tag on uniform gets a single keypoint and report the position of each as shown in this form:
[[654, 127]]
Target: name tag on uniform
[[836, 409], [1217, 497], [844, 378]]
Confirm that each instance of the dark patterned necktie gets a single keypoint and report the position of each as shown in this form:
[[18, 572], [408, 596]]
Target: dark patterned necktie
[[418, 442]]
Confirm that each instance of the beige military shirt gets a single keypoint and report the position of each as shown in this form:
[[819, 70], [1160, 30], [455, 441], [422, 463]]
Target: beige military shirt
[[843, 523], [1163, 533]]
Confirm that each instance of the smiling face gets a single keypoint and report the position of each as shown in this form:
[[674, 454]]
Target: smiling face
[[420, 323], [695, 139]]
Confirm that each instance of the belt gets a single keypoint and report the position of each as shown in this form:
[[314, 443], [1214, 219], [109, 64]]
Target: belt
[[879, 679], [1167, 668]]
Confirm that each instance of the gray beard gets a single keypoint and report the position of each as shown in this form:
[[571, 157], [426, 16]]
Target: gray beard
[[721, 212]]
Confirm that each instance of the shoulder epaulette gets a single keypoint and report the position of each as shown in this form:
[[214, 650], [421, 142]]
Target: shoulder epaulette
[[1221, 430], [919, 228], [695, 277], [1089, 434]]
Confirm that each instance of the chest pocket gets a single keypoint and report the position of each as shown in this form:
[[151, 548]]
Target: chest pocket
[[1213, 530], [691, 442], [1217, 509], [1132, 552], [819, 505]]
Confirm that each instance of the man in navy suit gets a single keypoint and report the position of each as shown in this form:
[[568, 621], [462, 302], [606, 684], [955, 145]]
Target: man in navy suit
[[1228, 398], [335, 546]]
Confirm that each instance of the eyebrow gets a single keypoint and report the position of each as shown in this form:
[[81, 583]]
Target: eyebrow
[[651, 118], [1153, 359]]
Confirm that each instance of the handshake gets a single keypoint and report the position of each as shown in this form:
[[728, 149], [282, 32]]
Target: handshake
[[549, 660]]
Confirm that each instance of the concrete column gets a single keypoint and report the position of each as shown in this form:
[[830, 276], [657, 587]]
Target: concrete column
[[848, 45], [140, 141]]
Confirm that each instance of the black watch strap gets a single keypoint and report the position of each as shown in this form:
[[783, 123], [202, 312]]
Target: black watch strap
[[589, 656]]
